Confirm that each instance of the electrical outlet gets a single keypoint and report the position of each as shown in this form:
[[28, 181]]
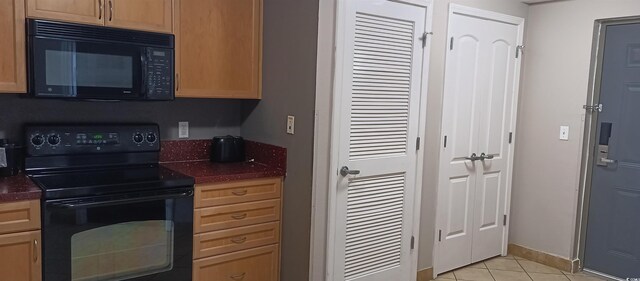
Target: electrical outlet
[[564, 133], [183, 130], [291, 124]]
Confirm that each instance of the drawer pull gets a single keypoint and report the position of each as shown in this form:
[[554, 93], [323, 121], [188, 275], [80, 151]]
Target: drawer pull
[[239, 216], [238, 276], [239, 192], [239, 240]]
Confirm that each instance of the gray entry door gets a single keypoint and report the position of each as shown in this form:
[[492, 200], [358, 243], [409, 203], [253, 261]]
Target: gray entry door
[[613, 228]]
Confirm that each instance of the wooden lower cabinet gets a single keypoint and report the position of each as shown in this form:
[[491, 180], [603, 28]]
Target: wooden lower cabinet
[[258, 264], [237, 230], [20, 256], [20, 242]]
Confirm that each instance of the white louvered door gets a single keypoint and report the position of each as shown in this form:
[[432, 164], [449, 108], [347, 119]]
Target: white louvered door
[[380, 91], [478, 115]]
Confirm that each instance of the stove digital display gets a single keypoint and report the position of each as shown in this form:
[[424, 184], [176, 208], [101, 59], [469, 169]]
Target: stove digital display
[[97, 138]]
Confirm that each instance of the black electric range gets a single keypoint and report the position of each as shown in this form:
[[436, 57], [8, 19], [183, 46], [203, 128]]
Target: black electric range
[[110, 211]]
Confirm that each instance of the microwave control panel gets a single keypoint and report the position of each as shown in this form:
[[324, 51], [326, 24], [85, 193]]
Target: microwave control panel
[[159, 73]]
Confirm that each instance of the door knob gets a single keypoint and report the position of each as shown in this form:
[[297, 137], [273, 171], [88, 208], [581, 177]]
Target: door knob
[[484, 156], [345, 171], [607, 161], [473, 157]]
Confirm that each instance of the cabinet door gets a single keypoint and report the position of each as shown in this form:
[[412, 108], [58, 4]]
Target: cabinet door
[[79, 11], [219, 48], [149, 15], [12, 58], [20, 256], [259, 264]]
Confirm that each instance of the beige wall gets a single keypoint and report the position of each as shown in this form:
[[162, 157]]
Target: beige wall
[[554, 88], [434, 111]]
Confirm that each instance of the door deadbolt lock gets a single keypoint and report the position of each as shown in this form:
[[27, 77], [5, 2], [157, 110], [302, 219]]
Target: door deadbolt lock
[[603, 156]]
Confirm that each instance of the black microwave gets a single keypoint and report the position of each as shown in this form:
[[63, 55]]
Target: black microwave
[[73, 61]]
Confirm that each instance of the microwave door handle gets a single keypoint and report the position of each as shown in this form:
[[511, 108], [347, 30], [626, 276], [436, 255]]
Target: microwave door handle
[[144, 70], [89, 204]]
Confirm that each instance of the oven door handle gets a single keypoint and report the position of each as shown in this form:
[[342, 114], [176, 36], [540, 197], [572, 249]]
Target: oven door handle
[[77, 204]]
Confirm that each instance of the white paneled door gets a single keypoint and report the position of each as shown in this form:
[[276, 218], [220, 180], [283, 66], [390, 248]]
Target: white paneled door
[[478, 123], [378, 80]]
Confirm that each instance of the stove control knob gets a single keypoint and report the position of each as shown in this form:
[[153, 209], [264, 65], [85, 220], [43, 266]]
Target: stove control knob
[[138, 138], [37, 140], [151, 137], [53, 139]]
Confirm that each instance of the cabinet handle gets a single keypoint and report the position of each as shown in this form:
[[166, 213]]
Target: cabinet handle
[[101, 9], [35, 250], [239, 192], [110, 10], [239, 240], [238, 276], [177, 81], [239, 216]]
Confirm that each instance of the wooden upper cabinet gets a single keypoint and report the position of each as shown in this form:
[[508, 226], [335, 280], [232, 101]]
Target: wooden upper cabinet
[[219, 48], [149, 15], [21, 256], [78, 11], [13, 72]]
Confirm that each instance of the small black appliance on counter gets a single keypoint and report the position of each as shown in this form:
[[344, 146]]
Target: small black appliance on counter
[[10, 158], [227, 149]]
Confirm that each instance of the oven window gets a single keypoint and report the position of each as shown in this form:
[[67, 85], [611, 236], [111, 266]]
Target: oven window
[[77, 69], [122, 251]]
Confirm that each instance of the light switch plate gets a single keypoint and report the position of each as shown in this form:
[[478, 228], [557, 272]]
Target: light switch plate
[[564, 133], [291, 124], [183, 130]]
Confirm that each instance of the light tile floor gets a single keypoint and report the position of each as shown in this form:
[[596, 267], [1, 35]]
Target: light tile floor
[[512, 268]]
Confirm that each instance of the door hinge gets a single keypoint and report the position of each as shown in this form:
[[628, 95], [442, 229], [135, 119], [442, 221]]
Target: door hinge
[[439, 235], [413, 242], [504, 220], [451, 44], [424, 38], [445, 141], [519, 50], [510, 137], [418, 143], [593, 108]]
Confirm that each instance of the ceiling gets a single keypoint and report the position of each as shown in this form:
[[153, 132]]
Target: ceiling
[[538, 1]]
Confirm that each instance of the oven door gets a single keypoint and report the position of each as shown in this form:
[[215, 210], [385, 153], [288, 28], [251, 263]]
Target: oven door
[[85, 70], [144, 236]]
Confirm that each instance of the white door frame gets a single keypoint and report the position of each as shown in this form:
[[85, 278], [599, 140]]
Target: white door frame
[[484, 14], [326, 132]]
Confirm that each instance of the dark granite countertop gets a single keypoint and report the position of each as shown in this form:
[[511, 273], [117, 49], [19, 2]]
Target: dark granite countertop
[[191, 157], [207, 172], [18, 187]]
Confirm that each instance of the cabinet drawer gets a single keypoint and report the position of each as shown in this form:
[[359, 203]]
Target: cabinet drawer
[[19, 216], [209, 195], [235, 239], [230, 216], [260, 264]]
